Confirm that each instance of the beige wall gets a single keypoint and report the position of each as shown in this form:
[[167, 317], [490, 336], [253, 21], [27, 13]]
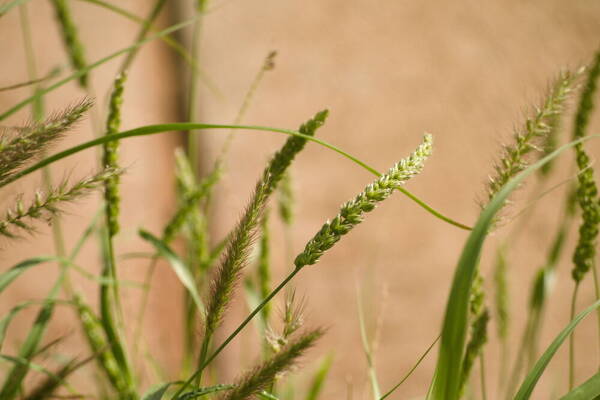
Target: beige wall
[[465, 71]]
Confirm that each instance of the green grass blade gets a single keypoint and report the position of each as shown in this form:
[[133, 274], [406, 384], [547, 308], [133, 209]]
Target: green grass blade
[[156, 392], [12, 313], [6, 278], [536, 372], [4, 8], [17, 374], [590, 389], [180, 269], [449, 365], [27, 364], [318, 380], [410, 371], [182, 126]]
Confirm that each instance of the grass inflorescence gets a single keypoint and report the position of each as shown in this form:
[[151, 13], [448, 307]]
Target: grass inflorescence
[[121, 360]]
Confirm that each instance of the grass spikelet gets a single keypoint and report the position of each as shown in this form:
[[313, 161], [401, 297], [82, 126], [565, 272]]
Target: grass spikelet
[[264, 268], [352, 212], [46, 205], [294, 144], [478, 331], [32, 140], [475, 345], [587, 192], [587, 197], [71, 40], [264, 374], [536, 130], [292, 318], [501, 294], [286, 200], [110, 157]]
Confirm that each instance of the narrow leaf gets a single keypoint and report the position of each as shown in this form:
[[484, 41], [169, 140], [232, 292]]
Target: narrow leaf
[[536, 372], [180, 269], [590, 389]]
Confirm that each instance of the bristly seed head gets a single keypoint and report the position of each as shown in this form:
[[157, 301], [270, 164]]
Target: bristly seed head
[[352, 212]]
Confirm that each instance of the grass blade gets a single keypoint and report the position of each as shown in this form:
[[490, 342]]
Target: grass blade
[[180, 269], [316, 386], [6, 278], [156, 392], [590, 389], [449, 365], [536, 372], [10, 4], [182, 126]]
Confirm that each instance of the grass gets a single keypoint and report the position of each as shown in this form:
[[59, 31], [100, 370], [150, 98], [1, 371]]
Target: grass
[[210, 271]]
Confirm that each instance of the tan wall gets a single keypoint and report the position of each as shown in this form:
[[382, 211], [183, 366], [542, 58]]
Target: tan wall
[[465, 71]]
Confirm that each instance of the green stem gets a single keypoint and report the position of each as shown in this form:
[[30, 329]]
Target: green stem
[[237, 331], [572, 341], [597, 293], [137, 336], [482, 375], [140, 38], [106, 311], [192, 112], [154, 129], [409, 373]]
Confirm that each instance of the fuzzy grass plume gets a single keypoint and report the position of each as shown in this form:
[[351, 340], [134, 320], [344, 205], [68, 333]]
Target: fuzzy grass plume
[[46, 205], [236, 256], [30, 141], [536, 130], [264, 374], [352, 212]]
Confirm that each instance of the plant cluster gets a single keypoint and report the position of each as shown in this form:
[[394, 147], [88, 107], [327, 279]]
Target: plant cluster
[[212, 274]]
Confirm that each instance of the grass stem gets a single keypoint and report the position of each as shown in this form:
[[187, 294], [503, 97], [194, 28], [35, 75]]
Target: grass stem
[[572, 340]]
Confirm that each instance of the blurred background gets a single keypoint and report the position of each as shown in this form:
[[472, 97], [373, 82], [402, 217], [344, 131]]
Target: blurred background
[[466, 71]]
